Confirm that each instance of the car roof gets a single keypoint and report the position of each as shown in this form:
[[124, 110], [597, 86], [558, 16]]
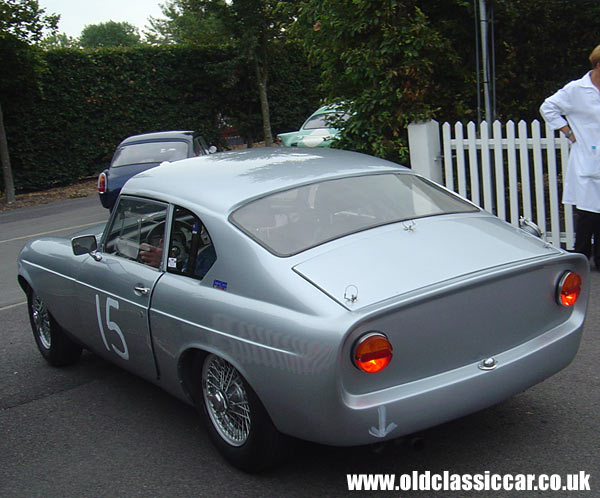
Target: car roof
[[221, 182], [158, 135]]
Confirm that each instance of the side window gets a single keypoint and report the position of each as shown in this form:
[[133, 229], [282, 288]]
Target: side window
[[137, 231], [191, 251]]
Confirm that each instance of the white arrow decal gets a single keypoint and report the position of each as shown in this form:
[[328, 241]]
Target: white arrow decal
[[382, 430]]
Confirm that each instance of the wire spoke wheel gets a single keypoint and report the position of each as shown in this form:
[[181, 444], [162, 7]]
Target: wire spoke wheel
[[226, 400], [52, 342], [41, 321]]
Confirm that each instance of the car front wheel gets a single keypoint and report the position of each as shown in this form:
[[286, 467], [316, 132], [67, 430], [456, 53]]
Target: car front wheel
[[237, 422], [54, 345]]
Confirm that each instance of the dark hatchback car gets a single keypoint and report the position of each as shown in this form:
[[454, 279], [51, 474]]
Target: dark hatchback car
[[141, 152]]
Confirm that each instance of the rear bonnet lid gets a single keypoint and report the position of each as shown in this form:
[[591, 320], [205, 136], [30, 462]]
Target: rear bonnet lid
[[371, 266]]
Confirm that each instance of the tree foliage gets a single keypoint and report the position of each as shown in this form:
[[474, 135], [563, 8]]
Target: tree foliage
[[252, 26], [255, 26], [25, 20], [21, 23], [378, 61], [58, 40], [390, 62], [540, 45], [109, 34], [187, 21], [91, 99]]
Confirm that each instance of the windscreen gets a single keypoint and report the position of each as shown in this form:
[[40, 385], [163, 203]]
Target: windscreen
[[323, 120], [151, 152], [292, 221]]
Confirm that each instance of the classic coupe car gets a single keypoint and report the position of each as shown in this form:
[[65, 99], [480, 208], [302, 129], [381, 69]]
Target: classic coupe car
[[317, 130], [314, 293], [141, 152]]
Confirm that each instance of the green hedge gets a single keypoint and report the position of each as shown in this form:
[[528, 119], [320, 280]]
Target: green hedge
[[88, 101]]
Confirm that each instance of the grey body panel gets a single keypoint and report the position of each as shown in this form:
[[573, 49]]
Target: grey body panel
[[433, 250], [105, 290], [449, 292], [221, 182]]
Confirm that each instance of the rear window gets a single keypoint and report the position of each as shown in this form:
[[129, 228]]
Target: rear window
[[151, 152], [292, 221]]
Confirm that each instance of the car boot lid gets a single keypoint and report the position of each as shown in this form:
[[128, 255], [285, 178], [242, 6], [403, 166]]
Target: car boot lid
[[400, 258]]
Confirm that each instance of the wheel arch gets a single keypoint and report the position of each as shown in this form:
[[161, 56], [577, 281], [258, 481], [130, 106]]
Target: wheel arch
[[186, 370], [24, 284], [262, 446], [189, 370], [26, 281]]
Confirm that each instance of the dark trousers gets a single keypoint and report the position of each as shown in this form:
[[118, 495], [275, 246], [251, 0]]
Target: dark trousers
[[587, 225]]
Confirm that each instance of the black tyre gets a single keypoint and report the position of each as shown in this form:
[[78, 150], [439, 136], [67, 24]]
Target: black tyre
[[237, 422], [54, 345]]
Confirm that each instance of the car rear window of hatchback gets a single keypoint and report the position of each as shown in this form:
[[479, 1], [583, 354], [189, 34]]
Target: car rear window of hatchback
[[150, 152], [292, 221]]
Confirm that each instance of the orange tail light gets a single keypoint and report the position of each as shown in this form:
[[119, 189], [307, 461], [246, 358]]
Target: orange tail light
[[569, 288], [102, 183], [372, 352]]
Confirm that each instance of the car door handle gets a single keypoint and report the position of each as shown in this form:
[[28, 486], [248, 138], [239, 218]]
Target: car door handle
[[140, 290]]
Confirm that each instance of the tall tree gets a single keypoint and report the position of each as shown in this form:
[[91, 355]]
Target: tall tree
[[109, 34], [25, 20], [187, 21], [58, 40], [252, 25], [378, 59], [22, 22]]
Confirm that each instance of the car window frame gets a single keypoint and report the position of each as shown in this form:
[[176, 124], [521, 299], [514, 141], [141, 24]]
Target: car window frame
[[202, 146], [111, 219], [172, 223]]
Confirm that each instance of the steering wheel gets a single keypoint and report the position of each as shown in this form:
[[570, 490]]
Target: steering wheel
[[181, 235]]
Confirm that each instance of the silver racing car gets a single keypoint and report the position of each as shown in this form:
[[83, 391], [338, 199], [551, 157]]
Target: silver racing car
[[320, 294]]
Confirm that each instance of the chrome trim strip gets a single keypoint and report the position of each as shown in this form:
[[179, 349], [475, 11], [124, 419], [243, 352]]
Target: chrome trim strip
[[187, 322], [85, 285], [224, 334]]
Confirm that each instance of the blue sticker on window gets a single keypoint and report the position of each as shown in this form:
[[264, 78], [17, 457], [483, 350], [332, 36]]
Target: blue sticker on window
[[217, 284]]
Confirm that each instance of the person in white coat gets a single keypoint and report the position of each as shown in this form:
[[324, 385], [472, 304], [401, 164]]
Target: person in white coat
[[575, 111]]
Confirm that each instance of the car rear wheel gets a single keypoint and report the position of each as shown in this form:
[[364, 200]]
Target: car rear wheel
[[54, 345], [237, 422]]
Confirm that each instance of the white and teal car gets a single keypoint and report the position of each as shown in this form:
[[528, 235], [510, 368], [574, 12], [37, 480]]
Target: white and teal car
[[316, 130]]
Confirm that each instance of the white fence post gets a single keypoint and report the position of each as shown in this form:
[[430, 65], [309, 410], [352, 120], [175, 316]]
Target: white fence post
[[425, 149], [527, 180]]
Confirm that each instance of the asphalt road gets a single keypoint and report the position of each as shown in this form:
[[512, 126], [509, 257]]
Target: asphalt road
[[92, 430], [53, 220]]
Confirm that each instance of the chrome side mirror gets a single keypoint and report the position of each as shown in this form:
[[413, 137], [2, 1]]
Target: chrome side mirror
[[530, 227], [212, 149]]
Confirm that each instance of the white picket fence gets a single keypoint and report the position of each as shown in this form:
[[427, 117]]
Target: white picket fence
[[510, 170]]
